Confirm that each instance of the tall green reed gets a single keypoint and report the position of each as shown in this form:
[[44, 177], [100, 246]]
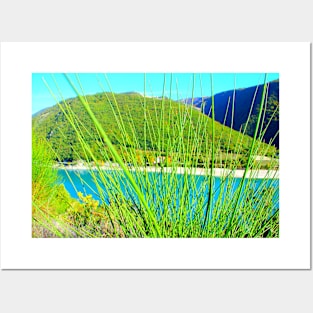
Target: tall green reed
[[171, 204]]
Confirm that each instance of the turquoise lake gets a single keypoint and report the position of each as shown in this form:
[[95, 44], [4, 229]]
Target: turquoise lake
[[198, 186]]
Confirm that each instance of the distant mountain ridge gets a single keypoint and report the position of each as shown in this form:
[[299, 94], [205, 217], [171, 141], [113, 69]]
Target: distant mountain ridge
[[243, 98]]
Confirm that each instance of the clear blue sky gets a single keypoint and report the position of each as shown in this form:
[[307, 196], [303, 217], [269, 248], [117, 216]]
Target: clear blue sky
[[125, 82]]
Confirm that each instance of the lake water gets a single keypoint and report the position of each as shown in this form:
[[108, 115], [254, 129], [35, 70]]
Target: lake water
[[160, 185]]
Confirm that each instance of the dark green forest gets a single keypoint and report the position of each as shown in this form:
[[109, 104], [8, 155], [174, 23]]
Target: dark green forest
[[135, 123]]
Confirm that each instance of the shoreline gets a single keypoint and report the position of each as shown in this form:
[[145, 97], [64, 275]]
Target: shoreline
[[217, 172]]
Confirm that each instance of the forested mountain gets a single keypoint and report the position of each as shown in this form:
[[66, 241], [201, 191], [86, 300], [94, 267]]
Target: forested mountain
[[243, 99], [133, 122]]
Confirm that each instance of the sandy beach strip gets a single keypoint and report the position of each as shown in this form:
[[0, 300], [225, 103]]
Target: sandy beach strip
[[218, 172]]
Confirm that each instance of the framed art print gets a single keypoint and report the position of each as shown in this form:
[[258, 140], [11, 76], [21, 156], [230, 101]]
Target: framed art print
[[155, 155]]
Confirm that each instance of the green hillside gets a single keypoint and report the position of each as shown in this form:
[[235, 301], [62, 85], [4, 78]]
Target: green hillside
[[145, 127]]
